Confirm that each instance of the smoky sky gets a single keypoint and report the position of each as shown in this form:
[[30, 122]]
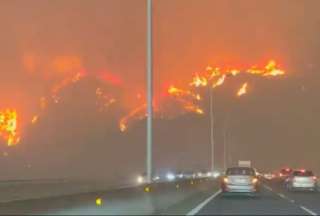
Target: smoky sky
[[278, 115]]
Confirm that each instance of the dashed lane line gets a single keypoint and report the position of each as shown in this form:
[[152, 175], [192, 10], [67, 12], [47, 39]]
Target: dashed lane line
[[282, 195], [267, 187], [308, 210], [203, 204]]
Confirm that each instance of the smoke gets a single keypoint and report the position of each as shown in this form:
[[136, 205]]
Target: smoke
[[44, 43]]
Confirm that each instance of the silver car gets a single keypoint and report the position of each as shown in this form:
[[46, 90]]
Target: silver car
[[240, 180], [301, 180]]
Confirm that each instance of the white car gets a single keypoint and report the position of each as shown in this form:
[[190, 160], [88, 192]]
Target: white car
[[269, 176], [240, 180], [301, 180]]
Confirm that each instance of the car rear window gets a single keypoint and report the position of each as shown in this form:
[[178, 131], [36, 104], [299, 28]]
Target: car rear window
[[303, 173], [240, 171]]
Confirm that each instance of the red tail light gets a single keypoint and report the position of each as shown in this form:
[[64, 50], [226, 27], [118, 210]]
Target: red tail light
[[314, 178]]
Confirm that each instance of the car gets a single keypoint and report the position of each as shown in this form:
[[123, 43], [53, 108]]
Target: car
[[268, 176], [188, 174], [240, 180], [301, 180], [284, 173]]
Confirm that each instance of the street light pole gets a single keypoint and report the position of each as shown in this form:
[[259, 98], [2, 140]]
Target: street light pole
[[211, 128], [226, 134], [149, 92], [225, 144]]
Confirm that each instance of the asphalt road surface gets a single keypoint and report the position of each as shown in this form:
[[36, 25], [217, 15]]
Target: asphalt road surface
[[199, 198], [273, 199]]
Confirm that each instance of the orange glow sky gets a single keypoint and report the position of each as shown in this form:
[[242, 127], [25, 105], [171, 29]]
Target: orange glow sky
[[189, 35], [44, 41]]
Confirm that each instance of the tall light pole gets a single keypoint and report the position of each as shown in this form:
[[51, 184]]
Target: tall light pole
[[225, 144], [149, 92], [211, 128]]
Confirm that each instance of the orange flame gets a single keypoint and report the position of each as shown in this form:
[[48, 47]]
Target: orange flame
[[8, 126], [186, 98], [270, 69], [104, 100], [199, 81], [220, 81], [234, 72], [64, 83], [242, 90], [213, 77], [139, 113], [174, 91], [66, 66], [214, 72], [194, 109], [35, 119]]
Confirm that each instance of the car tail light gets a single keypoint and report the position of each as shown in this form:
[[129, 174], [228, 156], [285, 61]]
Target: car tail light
[[254, 180], [280, 175], [314, 178]]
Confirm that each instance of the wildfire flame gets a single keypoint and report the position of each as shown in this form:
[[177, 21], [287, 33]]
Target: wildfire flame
[[64, 70], [104, 100], [271, 69], [242, 90], [67, 81], [174, 91], [137, 113], [213, 77], [220, 81], [8, 126], [199, 81], [187, 99], [234, 72], [34, 119], [55, 90], [194, 109]]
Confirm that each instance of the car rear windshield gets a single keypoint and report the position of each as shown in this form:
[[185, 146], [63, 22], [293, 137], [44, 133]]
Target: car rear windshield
[[240, 171], [302, 173]]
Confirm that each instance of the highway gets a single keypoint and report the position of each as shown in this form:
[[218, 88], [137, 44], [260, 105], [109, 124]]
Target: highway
[[198, 197], [273, 199]]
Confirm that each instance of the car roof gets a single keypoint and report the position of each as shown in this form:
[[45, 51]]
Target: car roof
[[239, 167]]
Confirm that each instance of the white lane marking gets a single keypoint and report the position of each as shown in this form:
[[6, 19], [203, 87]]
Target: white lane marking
[[267, 187], [292, 201], [282, 195], [279, 194], [308, 210], [203, 204]]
